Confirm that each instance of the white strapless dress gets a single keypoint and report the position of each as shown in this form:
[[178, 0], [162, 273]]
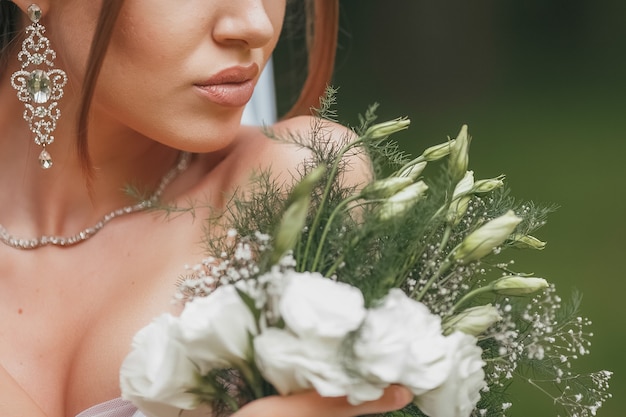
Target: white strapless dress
[[112, 408]]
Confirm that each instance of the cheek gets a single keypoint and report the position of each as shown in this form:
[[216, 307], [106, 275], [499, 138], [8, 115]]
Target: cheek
[[141, 78], [137, 47], [157, 106]]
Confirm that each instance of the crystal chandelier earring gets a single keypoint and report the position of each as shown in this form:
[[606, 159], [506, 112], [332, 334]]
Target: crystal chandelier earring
[[39, 85]]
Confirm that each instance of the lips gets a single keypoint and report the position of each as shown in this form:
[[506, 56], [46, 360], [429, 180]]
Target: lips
[[232, 87]]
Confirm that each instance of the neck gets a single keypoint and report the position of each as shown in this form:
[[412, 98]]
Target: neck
[[62, 204], [147, 202]]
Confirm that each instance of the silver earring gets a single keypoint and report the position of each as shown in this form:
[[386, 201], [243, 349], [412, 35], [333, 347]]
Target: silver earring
[[39, 85]]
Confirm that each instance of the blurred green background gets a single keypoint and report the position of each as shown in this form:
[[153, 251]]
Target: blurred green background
[[541, 84]]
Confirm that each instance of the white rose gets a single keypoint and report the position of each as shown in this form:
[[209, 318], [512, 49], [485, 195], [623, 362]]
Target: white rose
[[157, 374], [458, 395], [312, 305], [216, 330], [401, 342], [292, 364]]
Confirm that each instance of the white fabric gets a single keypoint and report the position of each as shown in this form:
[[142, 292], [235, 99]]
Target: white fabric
[[112, 408], [261, 109]]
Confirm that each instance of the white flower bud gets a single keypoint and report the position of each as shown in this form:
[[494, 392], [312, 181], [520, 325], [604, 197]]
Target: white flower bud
[[437, 152], [485, 186], [457, 210], [465, 185], [413, 169], [402, 201], [473, 321], [459, 155], [382, 130], [483, 240], [460, 199], [527, 242], [516, 286], [294, 217], [385, 188]]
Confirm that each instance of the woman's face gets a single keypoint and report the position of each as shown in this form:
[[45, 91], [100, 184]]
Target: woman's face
[[176, 71]]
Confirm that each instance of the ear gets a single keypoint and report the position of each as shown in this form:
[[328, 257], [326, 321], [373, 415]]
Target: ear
[[23, 5]]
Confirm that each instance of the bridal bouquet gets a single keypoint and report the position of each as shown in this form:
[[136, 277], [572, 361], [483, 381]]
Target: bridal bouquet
[[406, 280]]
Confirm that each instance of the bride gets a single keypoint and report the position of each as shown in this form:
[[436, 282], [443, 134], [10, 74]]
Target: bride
[[141, 92]]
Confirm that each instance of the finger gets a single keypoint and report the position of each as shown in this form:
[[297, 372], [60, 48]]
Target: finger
[[311, 404], [394, 398]]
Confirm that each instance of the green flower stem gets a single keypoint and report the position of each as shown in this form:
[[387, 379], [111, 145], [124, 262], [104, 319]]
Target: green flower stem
[[444, 241], [445, 238], [410, 262], [254, 380], [257, 388], [497, 359], [417, 254], [334, 266], [337, 209], [469, 295], [230, 402], [537, 386], [353, 243], [331, 177]]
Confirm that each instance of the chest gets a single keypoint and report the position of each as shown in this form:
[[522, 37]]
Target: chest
[[67, 317]]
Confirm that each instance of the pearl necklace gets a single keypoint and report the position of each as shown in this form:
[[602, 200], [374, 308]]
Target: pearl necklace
[[32, 243]]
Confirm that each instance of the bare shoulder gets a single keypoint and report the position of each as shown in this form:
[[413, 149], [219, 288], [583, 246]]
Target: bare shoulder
[[284, 156]]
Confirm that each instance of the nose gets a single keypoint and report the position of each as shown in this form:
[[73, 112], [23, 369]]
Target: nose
[[247, 22]]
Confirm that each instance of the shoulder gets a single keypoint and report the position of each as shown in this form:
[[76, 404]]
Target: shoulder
[[255, 151]]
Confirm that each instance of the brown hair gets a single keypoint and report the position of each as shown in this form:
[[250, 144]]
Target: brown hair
[[321, 38], [106, 22], [8, 30], [322, 29]]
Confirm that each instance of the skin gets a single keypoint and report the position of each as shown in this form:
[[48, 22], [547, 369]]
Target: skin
[[67, 316]]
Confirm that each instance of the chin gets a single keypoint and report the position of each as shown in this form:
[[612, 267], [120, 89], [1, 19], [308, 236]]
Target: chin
[[210, 138]]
